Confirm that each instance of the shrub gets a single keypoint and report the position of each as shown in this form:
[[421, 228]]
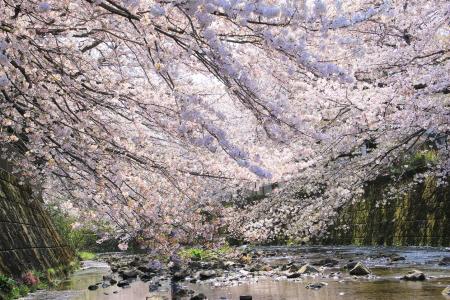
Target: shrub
[[30, 279], [84, 255], [6, 284]]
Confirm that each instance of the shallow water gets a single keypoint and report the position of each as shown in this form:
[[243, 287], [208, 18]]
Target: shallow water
[[383, 286]]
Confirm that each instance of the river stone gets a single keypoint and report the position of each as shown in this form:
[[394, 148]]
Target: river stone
[[359, 270], [326, 262], [93, 287], [204, 275], [445, 261], [129, 274], [350, 265], [112, 281], [396, 257], [308, 269], [180, 275], [145, 277], [414, 275], [123, 283], [316, 285], [245, 297], [107, 277], [199, 297], [446, 291]]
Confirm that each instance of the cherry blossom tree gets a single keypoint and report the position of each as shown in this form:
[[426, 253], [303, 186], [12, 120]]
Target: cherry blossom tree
[[145, 113]]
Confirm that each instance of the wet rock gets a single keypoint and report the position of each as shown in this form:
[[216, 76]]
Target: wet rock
[[151, 266], [180, 275], [182, 292], [145, 277], [396, 257], [445, 261], [105, 285], [293, 275], [308, 269], [446, 291], [326, 262], [126, 274], [260, 267], [359, 270], [315, 285], [204, 275], [112, 281], [350, 265], [245, 297], [93, 287], [107, 277], [228, 264], [114, 269], [414, 275], [153, 287], [123, 283], [136, 262], [199, 297]]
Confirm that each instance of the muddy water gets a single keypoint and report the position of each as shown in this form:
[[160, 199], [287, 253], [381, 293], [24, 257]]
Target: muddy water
[[385, 285]]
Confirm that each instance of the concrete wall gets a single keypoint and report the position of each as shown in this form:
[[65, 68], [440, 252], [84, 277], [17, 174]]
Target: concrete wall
[[28, 240], [419, 217]]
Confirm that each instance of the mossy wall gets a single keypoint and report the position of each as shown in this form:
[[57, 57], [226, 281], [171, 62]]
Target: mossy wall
[[420, 217], [28, 240]]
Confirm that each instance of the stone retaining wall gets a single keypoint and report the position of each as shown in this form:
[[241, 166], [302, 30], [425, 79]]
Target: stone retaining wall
[[419, 217], [28, 239]]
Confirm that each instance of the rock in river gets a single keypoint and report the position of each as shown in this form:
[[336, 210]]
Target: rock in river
[[199, 297], [359, 270], [326, 262], [446, 291], [445, 261], [414, 275], [123, 283], [130, 273], [316, 285], [308, 269], [396, 257], [93, 287], [204, 275]]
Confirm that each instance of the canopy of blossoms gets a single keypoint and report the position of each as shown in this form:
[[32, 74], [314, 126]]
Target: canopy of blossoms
[[146, 113]]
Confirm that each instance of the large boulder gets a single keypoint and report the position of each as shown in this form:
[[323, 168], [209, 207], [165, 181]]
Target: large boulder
[[359, 270], [308, 269], [445, 261], [414, 275]]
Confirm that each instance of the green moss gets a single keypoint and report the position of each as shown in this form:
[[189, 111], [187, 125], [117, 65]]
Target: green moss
[[85, 255]]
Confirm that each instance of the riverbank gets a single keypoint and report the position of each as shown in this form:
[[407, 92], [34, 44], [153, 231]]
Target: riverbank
[[264, 273]]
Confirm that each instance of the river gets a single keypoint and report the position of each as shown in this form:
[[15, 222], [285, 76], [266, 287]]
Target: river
[[383, 284]]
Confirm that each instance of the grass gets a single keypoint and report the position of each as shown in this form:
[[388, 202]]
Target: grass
[[85, 255]]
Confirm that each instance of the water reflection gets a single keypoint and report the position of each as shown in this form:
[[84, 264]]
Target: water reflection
[[384, 286]]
